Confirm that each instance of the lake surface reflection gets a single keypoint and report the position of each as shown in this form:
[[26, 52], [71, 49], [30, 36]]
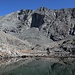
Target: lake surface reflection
[[38, 66]]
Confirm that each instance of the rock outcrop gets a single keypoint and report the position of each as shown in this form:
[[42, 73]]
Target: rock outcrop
[[10, 45], [44, 29]]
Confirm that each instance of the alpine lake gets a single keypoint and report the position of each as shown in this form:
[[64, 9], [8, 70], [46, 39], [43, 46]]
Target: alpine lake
[[37, 66]]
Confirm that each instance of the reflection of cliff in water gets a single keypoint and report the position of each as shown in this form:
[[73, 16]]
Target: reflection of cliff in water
[[49, 66]]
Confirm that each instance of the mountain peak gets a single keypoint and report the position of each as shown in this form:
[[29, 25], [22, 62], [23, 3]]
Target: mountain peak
[[42, 9]]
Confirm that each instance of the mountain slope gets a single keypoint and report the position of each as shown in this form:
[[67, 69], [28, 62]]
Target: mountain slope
[[10, 44], [45, 29], [55, 24]]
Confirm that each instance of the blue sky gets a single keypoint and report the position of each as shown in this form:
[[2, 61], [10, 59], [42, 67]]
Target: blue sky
[[8, 6]]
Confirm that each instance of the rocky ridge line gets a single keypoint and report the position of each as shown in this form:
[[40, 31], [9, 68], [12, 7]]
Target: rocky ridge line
[[44, 29]]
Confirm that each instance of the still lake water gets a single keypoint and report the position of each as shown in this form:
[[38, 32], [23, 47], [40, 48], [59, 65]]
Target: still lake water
[[39, 67]]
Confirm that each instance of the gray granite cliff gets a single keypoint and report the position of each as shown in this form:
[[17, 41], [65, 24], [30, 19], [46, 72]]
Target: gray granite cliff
[[44, 30]]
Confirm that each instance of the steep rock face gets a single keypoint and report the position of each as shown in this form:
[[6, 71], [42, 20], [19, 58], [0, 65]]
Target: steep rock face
[[37, 20], [59, 24], [10, 45], [15, 22], [69, 45], [42, 28], [55, 24]]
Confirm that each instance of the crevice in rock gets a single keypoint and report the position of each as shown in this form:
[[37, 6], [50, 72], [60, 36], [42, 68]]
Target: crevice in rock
[[37, 20]]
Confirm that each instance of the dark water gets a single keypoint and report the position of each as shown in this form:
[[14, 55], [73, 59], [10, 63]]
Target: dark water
[[38, 67]]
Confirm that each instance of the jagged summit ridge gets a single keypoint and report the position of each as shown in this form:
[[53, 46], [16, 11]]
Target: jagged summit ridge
[[55, 24]]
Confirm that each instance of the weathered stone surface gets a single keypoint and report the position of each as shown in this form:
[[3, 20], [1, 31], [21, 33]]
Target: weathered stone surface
[[44, 29], [9, 45], [69, 45], [55, 24]]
